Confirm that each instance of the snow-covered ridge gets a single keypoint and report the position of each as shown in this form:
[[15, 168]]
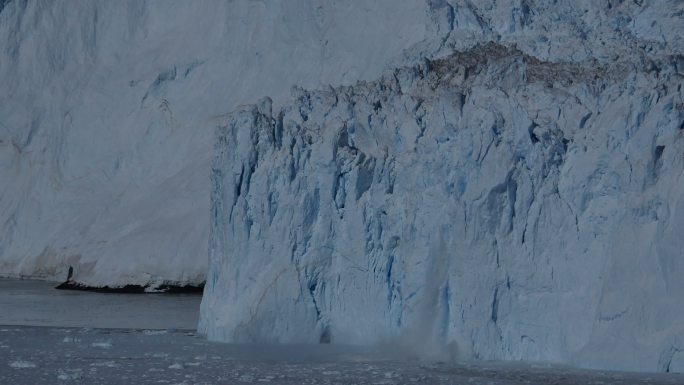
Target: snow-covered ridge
[[488, 204]]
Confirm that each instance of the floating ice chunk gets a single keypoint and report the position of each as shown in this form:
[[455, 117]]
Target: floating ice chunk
[[21, 364], [154, 332], [102, 345], [70, 374]]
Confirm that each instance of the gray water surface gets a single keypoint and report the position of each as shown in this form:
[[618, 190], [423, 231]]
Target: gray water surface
[[69, 337], [38, 303]]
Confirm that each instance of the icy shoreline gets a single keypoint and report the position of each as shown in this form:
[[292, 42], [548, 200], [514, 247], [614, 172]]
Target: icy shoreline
[[39, 355], [38, 303]]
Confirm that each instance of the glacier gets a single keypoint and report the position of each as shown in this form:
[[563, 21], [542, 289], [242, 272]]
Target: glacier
[[106, 111], [457, 179], [512, 189]]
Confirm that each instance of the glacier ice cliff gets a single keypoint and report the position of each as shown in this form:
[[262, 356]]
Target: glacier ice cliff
[[106, 111], [513, 189]]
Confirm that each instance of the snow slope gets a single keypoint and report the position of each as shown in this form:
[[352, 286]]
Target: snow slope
[[518, 196], [106, 112]]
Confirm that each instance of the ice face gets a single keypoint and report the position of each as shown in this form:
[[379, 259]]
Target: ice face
[[106, 112], [487, 204]]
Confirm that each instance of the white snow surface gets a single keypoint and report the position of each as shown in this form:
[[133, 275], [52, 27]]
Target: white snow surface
[[106, 110], [519, 196]]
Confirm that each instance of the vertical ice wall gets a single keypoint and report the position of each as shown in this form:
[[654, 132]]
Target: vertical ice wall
[[500, 201], [106, 109]]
